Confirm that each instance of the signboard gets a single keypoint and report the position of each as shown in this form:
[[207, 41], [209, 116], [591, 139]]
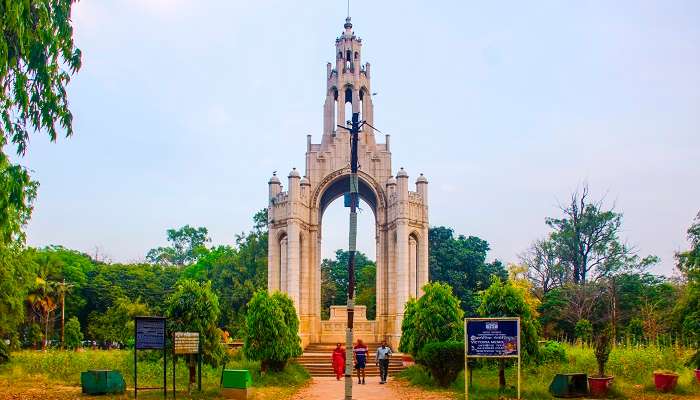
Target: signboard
[[186, 343], [492, 338], [150, 333]]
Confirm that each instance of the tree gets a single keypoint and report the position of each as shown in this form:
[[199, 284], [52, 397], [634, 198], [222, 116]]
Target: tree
[[117, 323], [193, 307], [461, 263], [73, 334], [505, 300], [187, 245], [272, 330], [235, 272], [37, 56], [688, 307], [544, 267], [17, 274], [587, 242], [434, 317], [334, 282]]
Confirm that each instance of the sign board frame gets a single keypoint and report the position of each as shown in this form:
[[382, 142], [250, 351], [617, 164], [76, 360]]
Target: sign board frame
[[467, 356], [187, 351], [149, 334]]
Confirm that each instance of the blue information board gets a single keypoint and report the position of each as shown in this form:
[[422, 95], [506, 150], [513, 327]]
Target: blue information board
[[492, 338], [150, 333]]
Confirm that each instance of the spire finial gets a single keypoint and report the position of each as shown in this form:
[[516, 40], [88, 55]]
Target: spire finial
[[348, 24]]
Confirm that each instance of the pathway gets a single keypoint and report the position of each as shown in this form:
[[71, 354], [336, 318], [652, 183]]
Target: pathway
[[324, 388]]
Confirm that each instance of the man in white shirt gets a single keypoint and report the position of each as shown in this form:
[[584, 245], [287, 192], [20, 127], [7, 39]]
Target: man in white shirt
[[382, 359]]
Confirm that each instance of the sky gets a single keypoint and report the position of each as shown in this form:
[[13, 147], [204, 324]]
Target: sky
[[183, 109]]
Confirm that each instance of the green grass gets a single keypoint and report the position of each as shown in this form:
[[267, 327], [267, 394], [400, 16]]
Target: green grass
[[632, 367], [64, 367]]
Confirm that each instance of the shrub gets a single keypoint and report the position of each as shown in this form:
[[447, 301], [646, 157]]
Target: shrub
[[635, 329], [553, 351], [602, 352], [271, 330], [443, 359], [73, 335], [435, 317], [583, 330], [4, 352]]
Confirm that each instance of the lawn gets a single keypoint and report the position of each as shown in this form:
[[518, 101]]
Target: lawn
[[632, 367], [32, 372]]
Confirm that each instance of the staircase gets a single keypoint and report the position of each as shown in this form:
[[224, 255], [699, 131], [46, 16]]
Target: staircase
[[317, 360]]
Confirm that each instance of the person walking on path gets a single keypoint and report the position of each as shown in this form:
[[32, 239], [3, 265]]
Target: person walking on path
[[360, 353], [382, 359], [338, 359]]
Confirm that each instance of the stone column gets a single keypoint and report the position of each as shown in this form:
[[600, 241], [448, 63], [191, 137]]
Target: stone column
[[273, 261], [381, 279], [423, 267], [402, 286], [293, 273]]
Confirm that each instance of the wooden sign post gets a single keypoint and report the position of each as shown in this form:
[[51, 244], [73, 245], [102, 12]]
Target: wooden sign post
[[490, 338], [187, 343]]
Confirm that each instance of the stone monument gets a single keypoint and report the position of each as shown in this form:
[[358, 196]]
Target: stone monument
[[295, 216]]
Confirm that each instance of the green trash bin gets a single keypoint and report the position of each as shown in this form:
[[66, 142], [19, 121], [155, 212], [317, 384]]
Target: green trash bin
[[236, 379], [569, 385], [102, 381]]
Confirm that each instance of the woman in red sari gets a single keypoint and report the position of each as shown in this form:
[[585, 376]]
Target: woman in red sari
[[338, 359]]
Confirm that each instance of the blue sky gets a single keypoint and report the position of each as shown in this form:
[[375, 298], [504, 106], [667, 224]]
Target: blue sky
[[183, 109]]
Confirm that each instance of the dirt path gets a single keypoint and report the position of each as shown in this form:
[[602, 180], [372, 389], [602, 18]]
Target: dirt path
[[331, 389]]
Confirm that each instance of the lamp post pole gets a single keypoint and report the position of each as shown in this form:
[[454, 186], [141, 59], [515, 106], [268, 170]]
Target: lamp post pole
[[354, 199]]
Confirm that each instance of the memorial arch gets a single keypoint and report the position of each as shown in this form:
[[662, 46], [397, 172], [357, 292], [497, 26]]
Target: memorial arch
[[295, 215]]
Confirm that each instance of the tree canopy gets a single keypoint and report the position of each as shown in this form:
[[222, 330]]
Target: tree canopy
[[461, 263]]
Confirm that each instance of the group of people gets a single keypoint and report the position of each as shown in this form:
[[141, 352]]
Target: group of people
[[359, 354]]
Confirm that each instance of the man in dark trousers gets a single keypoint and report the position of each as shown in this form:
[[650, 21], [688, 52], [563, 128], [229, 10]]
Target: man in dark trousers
[[383, 354]]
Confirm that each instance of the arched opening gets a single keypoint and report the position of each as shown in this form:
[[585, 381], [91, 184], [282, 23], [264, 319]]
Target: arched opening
[[282, 267], [335, 110], [413, 263], [334, 227], [348, 105]]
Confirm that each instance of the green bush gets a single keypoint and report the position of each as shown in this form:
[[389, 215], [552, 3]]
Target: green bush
[[435, 317], [73, 335], [602, 352], [583, 330], [272, 330], [4, 352], [443, 359], [553, 351]]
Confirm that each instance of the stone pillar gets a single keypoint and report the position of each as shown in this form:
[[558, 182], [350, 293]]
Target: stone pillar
[[402, 287], [423, 259], [379, 287], [273, 261], [293, 273]]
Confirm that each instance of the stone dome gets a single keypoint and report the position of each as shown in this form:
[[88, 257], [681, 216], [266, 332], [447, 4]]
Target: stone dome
[[274, 179], [391, 181], [422, 179], [294, 173], [305, 181], [402, 173]]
